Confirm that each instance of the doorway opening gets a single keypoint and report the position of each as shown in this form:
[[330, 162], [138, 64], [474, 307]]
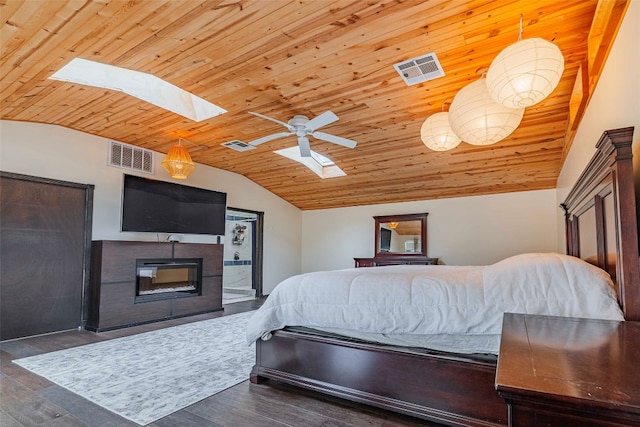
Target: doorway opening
[[242, 270]]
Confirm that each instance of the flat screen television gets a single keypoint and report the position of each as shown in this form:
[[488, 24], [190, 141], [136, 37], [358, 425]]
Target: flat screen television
[[385, 240], [163, 207]]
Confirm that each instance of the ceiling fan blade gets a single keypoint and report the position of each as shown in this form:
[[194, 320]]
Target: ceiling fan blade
[[322, 120], [272, 119], [349, 143], [269, 138], [305, 149]]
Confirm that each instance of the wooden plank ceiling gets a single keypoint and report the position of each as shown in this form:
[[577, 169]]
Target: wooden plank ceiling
[[282, 58]]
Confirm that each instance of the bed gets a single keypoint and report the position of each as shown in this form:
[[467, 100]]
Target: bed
[[454, 386]]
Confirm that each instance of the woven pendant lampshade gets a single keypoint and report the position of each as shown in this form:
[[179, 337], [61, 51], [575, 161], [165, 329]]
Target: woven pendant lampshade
[[178, 162], [436, 133], [525, 73], [479, 120]]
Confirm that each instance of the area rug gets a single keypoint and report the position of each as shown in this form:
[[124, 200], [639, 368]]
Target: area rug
[[147, 376]]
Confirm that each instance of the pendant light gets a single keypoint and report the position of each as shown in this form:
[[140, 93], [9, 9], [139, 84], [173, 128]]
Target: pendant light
[[479, 120], [525, 73], [436, 133], [178, 162]]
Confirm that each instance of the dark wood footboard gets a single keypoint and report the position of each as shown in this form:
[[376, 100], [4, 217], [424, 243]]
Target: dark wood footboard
[[453, 390]]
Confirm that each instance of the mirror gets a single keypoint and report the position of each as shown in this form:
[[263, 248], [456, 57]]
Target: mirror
[[404, 235]]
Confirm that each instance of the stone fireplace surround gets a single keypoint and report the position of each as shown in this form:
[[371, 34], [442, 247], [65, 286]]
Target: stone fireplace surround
[[110, 301]]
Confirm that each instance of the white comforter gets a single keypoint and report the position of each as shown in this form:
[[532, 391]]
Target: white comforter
[[446, 308]]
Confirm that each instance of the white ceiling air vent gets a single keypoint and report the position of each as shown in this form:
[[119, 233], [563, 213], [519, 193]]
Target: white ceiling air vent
[[238, 145], [420, 69], [130, 157]]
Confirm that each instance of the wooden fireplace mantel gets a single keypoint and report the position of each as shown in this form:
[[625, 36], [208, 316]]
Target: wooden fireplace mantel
[[110, 300]]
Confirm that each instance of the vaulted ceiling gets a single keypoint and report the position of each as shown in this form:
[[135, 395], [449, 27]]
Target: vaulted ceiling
[[283, 58]]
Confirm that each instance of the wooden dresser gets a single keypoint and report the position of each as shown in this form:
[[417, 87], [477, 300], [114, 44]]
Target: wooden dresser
[[399, 239], [111, 297], [395, 260], [564, 372]]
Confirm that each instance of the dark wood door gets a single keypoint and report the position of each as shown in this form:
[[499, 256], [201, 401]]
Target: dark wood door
[[43, 241]]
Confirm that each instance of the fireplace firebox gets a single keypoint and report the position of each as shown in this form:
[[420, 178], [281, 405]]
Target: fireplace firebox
[[164, 278]]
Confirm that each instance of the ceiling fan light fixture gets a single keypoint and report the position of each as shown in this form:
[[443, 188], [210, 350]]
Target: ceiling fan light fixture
[[479, 120], [302, 128], [525, 73], [436, 133], [178, 162]]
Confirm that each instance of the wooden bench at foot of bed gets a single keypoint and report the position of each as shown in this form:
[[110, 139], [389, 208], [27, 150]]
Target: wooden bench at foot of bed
[[451, 389]]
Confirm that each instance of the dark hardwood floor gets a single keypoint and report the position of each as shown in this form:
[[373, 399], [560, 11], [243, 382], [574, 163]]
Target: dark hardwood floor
[[29, 400]]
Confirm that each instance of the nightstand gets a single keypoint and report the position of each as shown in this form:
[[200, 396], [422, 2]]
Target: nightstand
[[559, 371]]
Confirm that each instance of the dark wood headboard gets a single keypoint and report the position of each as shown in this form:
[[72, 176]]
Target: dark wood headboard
[[600, 217]]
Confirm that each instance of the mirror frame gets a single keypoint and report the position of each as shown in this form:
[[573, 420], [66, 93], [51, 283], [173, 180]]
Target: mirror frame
[[422, 217]]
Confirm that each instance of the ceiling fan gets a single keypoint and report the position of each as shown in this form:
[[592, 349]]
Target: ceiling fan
[[302, 127]]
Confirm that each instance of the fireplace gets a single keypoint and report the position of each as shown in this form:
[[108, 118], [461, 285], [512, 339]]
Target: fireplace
[[163, 278]]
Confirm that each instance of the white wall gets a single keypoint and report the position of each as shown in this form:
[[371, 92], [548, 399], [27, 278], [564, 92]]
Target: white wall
[[473, 230], [59, 153], [614, 104]]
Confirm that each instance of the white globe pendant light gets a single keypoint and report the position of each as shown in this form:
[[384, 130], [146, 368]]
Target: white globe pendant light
[[525, 73], [479, 120], [436, 133]]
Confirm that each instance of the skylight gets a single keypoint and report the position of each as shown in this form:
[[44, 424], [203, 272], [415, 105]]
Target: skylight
[[146, 87], [322, 160], [317, 163]]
